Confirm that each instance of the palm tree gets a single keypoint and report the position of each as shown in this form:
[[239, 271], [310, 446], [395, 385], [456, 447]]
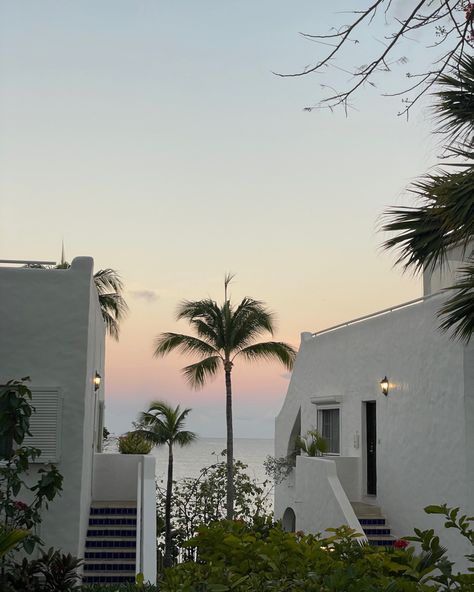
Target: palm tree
[[224, 332], [163, 425], [445, 216]]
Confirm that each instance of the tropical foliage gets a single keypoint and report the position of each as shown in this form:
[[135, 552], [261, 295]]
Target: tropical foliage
[[312, 443], [21, 499], [445, 216], [164, 425], [223, 333], [134, 443], [234, 556], [202, 500]]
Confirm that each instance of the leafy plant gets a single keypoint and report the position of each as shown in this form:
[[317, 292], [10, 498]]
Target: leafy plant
[[232, 555], [53, 571], [15, 414], [202, 500], [313, 443], [278, 469], [9, 539], [134, 443]]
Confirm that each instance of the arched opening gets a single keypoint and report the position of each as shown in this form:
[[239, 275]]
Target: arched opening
[[289, 520]]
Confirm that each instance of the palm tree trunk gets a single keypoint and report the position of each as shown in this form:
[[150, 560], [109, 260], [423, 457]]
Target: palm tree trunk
[[168, 561], [230, 441]]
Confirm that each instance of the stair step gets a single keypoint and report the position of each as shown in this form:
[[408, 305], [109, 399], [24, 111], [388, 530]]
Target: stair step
[[109, 578], [377, 531], [117, 510], [109, 554], [363, 509], [111, 532], [110, 566], [110, 520], [111, 543], [370, 521], [381, 541]]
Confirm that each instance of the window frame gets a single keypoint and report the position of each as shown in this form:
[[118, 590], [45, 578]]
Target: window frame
[[319, 423]]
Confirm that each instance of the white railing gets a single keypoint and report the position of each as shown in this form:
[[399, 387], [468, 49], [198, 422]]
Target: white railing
[[373, 315]]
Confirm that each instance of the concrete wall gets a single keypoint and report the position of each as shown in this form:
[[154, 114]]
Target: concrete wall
[[424, 446], [51, 330]]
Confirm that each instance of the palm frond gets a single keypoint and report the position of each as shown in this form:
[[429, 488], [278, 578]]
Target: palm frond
[[250, 319], [108, 280], [206, 317], [112, 303], [113, 309], [196, 374], [454, 106], [270, 350], [458, 312], [163, 424], [445, 218], [187, 344]]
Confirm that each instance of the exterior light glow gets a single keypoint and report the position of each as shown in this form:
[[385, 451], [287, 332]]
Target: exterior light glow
[[97, 379], [384, 384]]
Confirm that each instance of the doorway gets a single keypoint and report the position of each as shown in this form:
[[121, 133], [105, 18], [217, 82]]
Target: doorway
[[371, 446]]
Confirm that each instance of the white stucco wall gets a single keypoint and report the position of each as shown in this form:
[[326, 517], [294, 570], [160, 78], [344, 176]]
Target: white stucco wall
[[424, 425], [131, 477], [51, 330]]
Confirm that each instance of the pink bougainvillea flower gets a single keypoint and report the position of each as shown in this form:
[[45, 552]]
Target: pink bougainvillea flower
[[20, 505]]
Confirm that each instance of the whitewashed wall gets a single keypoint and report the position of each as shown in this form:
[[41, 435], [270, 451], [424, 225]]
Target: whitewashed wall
[[424, 426], [51, 330]]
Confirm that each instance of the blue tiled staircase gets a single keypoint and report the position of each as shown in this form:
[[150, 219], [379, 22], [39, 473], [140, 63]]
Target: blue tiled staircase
[[375, 525], [110, 552]]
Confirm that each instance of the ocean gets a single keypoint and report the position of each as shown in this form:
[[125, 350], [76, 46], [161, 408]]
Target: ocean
[[190, 460]]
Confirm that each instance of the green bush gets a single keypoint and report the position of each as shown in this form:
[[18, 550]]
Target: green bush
[[234, 556], [134, 443]]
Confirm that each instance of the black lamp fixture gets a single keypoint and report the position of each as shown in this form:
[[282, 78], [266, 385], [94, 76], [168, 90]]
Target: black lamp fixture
[[97, 380], [384, 384]]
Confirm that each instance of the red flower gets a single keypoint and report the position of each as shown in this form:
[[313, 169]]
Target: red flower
[[20, 505], [400, 544]]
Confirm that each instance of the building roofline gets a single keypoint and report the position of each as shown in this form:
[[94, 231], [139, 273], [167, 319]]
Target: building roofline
[[371, 315]]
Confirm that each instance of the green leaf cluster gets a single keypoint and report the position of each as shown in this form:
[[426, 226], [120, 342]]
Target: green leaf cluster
[[134, 443], [15, 482], [233, 556], [202, 500]]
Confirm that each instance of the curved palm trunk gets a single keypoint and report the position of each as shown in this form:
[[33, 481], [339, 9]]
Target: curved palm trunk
[[168, 561], [230, 441]]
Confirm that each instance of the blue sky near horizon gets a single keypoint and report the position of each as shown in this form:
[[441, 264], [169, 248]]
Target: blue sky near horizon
[[154, 137]]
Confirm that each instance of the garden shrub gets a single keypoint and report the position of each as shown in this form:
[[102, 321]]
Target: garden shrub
[[234, 556], [134, 443]]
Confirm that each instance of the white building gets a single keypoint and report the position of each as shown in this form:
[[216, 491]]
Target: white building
[[51, 329], [390, 454]]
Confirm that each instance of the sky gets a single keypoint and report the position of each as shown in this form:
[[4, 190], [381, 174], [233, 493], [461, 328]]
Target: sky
[[155, 137]]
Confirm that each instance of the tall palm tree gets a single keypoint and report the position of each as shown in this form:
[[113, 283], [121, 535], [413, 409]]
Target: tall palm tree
[[163, 425], [445, 216], [224, 332]]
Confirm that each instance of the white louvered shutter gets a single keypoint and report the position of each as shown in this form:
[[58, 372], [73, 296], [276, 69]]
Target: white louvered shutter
[[45, 424]]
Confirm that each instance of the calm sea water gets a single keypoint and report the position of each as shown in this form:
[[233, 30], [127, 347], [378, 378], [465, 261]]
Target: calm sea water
[[190, 460]]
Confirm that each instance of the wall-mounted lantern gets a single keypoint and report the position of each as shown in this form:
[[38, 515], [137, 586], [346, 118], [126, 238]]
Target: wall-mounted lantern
[[97, 380], [384, 384]]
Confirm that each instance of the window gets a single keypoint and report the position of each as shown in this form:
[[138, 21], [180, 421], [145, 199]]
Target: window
[[328, 426]]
